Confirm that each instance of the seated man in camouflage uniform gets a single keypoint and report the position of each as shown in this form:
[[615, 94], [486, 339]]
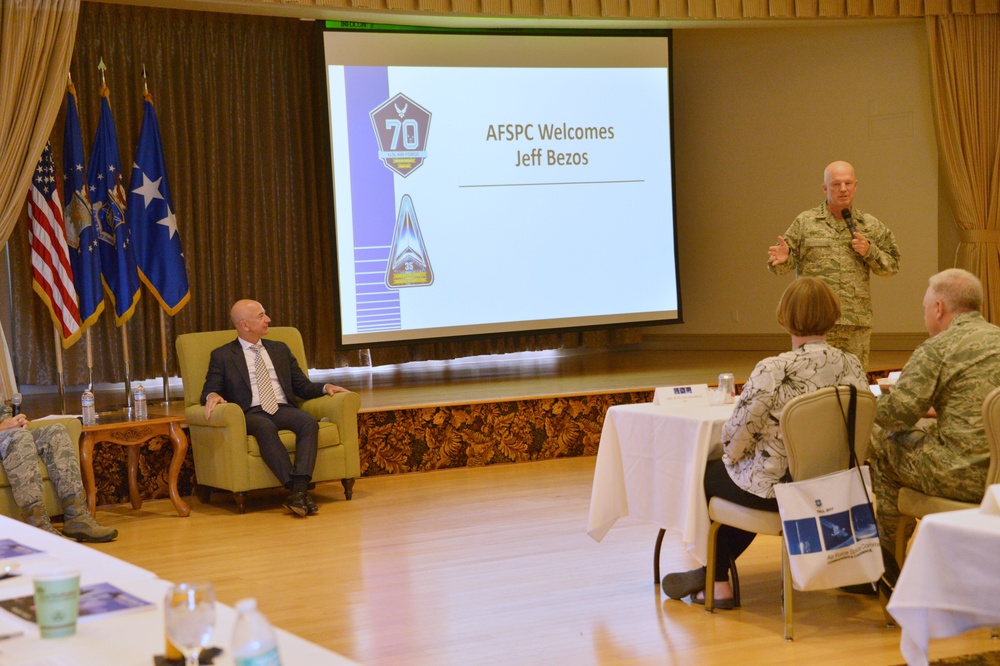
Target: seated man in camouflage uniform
[[20, 450], [947, 378]]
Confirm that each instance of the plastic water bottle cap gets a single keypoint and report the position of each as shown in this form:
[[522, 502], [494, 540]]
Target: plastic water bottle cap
[[246, 605]]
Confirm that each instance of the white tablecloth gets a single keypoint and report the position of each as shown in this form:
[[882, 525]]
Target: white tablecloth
[[651, 466], [130, 639], [949, 583]]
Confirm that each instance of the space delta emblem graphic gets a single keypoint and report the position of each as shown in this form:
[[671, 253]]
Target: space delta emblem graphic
[[401, 126], [408, 262]]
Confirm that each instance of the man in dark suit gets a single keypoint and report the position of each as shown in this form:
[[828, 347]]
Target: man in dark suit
[[262, 376]]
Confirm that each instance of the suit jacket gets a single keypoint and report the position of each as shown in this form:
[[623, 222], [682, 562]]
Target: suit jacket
[[229, 376]]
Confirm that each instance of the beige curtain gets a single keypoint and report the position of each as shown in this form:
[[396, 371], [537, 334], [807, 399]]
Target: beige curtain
[[965, 72], [36, 43], [241, 105]]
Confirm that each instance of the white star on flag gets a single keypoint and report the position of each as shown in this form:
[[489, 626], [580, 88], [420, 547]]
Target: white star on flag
[[150, 188], [170, 222]]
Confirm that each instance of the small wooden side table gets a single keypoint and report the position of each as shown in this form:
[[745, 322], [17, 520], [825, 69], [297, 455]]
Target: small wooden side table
[[119, 428]]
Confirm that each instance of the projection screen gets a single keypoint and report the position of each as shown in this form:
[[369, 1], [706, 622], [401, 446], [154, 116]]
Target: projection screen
[[495, 182]]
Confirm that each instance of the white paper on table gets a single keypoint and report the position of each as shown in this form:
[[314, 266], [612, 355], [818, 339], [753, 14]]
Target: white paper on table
[[991, 500]]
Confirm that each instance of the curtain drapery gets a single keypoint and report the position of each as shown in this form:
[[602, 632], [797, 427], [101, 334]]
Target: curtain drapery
[[965, 75], [36, 44]]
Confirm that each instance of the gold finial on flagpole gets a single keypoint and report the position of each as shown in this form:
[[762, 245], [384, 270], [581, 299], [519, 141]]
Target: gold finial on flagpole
[[145, 89], [101, 66]]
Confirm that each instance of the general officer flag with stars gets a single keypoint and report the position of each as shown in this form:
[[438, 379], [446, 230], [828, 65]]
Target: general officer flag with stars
[[82, 229], [158, 251], [107, 196]]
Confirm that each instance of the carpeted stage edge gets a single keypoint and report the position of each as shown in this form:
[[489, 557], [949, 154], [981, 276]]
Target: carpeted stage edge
[[417, 439]]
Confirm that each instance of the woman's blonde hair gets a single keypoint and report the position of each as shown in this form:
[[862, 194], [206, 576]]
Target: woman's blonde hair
[[808, 307]]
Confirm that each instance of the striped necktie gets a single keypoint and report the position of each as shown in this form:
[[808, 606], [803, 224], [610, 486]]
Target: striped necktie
[[268, 402]]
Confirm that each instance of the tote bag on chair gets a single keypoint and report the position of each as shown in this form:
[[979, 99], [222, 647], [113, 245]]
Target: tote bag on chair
[[829, 525]]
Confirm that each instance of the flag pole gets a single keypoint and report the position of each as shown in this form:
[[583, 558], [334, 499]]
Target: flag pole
[[90, 363], [128, 376], [59, 370], [163, 352]]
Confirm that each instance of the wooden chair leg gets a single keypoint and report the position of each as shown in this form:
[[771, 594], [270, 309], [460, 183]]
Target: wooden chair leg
[[241, 502], [348, 487], [656, 558]]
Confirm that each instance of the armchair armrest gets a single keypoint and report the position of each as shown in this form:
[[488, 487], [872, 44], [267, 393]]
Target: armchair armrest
[[72, 425], [225, 415], [339, 408]]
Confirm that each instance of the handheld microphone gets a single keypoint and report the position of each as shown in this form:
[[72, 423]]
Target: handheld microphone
[[15, 404], [846, 214]]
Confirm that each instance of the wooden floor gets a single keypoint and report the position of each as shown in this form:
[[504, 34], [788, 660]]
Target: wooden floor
[[493, 565], [490, 566]]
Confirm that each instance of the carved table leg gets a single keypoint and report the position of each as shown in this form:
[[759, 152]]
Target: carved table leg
[[180, 442], [133, 477]]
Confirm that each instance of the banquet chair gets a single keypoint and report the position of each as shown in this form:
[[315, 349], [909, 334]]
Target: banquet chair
[[226, 458], [813, 430], [914, 504]]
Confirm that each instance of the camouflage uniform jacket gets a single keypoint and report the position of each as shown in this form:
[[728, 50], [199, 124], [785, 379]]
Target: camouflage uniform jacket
[[952, 372], [819, 245]]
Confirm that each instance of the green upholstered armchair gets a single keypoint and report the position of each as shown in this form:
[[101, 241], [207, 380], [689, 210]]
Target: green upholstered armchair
[[225, 457], [53, 505]]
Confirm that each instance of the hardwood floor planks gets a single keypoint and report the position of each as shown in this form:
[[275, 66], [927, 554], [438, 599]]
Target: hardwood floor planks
[[490, 566]]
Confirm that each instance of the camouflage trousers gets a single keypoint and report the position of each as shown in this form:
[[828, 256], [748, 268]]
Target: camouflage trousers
[[20, 450], [909, 458], [851, 339]]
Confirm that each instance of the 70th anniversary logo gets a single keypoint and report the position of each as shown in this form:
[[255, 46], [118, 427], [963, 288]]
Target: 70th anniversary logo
[[401, 127]]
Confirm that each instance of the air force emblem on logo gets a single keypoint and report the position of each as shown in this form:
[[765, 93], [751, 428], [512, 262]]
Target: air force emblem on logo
[[401, 126]]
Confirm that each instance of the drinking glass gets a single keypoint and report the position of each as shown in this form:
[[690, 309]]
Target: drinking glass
[[189, 613]]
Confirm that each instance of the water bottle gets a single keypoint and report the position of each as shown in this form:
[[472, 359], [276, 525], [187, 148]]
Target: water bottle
[[140, 411], [253, 639], [88, 409]]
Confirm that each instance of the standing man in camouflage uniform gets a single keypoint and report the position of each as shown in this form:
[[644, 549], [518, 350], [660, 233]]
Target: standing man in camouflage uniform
[[947, 378], [20, 450], [841, 252]]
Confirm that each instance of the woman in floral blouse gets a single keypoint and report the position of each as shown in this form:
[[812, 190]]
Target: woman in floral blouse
[[754, 457]]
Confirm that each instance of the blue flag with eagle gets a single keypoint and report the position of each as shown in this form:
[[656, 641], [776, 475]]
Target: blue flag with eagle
[[157, 245], [82, 229], [107, 196]]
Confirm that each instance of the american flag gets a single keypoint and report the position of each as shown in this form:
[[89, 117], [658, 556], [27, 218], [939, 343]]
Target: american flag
[[52, 276]]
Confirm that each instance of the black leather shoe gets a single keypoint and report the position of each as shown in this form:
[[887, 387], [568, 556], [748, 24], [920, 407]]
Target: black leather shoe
[[680, 585], [865, 589], [296, 503], [311, 505]]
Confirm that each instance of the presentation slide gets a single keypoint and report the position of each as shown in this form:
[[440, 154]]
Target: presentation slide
[[480, 197]]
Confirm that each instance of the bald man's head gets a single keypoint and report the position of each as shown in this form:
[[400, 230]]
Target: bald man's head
[[249, 319]]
